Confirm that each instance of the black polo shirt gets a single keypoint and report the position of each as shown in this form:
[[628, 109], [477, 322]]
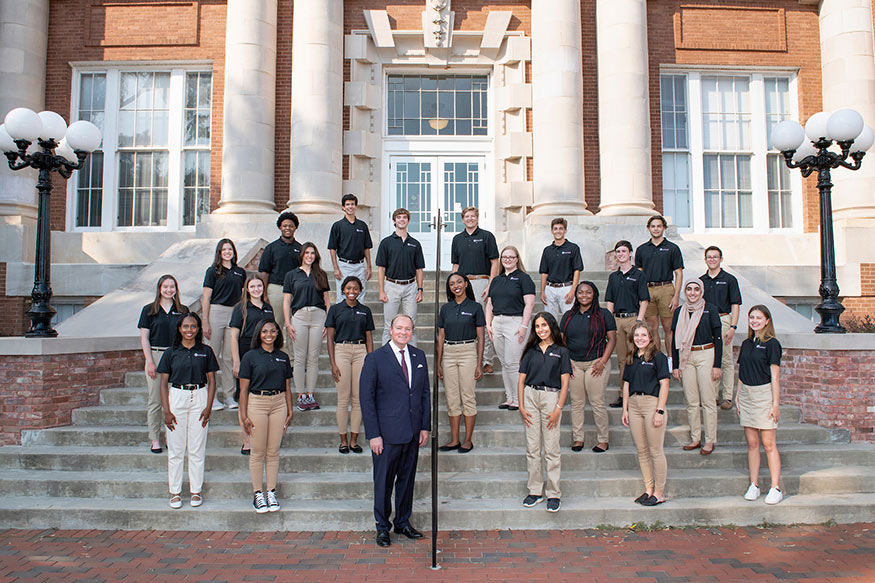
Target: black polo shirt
[[278, 259], [161, 326], [577, 329], [400, 257], [228, 288], [350, 323], [709, 330], [627, 290], [303, 290], [188, 366], [474, 253], [755, 360], [254, 315], [507, 291], [460, 321], [545, 369], [722, 291], [644, 377], [659, 261], [350, 239], [560, 262], [266, 371]]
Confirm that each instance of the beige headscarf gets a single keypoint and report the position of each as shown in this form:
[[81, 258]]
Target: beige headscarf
[[688, 320]]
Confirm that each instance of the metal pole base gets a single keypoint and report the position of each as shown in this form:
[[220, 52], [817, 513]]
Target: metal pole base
[[829, 318], [41, 315]]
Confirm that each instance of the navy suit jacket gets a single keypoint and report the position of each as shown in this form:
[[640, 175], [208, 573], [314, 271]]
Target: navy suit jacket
[[391, 409]]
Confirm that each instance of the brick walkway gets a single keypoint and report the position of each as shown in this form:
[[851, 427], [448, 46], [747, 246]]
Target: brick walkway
[[806, 553]]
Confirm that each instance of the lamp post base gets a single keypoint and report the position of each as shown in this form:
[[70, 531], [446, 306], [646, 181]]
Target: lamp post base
[[830, 312], [41, 315]]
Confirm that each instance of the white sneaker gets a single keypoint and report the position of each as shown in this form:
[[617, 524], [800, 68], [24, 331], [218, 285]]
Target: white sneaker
[[272, 504], [230, 403], [774, 496], [752, 493], [217, 405]]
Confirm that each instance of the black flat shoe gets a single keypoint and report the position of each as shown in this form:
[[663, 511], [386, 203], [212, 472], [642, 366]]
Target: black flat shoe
[[598, 449], [652, 501], [156, 450], [617, 404], [513, 408], [383, 539], [503, 406], [344, 449], [356, 448], [642, 498], [409, 532], [577, 447], [244, 451], [466, 449], [449, 447]]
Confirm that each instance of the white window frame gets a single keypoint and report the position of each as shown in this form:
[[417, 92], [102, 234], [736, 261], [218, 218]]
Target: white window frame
[[175, 146], [759, 149]]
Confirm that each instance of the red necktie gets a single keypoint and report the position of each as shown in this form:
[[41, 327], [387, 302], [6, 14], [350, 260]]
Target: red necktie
[[404, 367]]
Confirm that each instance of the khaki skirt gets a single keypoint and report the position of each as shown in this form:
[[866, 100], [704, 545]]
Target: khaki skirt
[[755, 404]]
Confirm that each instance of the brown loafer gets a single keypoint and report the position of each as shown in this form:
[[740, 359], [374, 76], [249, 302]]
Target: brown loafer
[[487, 369], [726, 404], [692, 446], [704, 451]]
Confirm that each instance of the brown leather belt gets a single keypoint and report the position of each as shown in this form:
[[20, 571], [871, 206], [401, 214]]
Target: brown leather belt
[[551, 284], [658, 283], [478, 277], [702, 347]]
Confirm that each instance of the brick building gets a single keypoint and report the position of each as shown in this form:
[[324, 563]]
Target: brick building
[[218, 113]]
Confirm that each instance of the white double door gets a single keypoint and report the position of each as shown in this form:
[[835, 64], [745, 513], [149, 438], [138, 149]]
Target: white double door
[[424, 184]]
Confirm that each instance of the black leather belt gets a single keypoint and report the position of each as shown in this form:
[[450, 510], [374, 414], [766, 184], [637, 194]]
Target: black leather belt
[[625, 314], [401, 281], [266, 392], [658, 283], [633, 393], [350, 342], [456, 342], [543, 388], [552, 284], [351, 262], [188, 387]]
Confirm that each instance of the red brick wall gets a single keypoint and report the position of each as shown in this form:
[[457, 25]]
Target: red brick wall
[[42, 391], [834, 388], [863, 305], [13, 322]]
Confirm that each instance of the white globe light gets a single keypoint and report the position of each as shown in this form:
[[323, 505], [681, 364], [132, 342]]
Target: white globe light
[[7, 144], [54, 126], [804, 150], [64, 150], [83, 135], [864, 141], [787, 135], [845, 125], [816, 126], [23, 124]]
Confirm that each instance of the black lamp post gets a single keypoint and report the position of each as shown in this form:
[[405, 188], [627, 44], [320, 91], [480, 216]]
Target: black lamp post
[[846, 128], [62, 150]]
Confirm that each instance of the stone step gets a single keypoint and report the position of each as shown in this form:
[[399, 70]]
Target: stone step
[[307, 515], [314, 460], [221, 485], [505, 435], [327, 415]]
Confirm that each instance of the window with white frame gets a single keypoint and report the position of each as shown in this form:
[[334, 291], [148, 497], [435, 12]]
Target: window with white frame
[[153, 169], [718, 169]]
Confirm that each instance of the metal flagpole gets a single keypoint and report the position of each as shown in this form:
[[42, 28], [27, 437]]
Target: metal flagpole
[[438, 224]]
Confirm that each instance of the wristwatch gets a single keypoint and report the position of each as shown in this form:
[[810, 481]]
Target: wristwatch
[[734, 327], [661, 411], [419, 289]]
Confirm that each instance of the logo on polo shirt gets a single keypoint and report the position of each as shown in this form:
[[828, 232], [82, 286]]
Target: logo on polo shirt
[[199, 354], [554, 355], [721, 283], [411, 244], [760, 346], [662, 249], [514, 278], [359, 230], [361, 313], [467, 314], [645, 363], [278, 359], [477, 240], [565, 253]]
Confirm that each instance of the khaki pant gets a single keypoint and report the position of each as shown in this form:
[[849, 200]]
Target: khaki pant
[[478, 286], [350, 269], [648, 441], [349, 359], [190, 434], [660, 300], [540, 404], [309, 322], [583, 384], [556, 303], [220, 342], [699, 389], [624, 346], [459, 363], [402, 300], [509, 351], [275, 295], [725, 386], [154, 411], [268, 414]]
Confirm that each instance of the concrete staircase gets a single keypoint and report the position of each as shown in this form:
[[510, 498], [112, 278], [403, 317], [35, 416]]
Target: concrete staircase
[[99, 473]]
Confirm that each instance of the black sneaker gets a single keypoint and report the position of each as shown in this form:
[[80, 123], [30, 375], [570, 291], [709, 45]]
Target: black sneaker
[[258, 503], [531, 500], [618, 403], [552, 504]]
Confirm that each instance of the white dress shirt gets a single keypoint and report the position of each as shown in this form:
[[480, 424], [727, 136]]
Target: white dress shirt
[[396, 350]]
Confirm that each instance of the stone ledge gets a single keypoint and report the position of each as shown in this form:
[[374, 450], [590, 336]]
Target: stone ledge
[[18, 346]]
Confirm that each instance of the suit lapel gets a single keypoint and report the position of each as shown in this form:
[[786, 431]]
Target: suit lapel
[[390, 350]]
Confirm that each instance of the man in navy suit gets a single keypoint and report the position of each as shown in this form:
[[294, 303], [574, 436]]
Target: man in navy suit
[[394, 396]]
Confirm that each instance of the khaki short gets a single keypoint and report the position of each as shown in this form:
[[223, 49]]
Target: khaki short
[[660, 298]]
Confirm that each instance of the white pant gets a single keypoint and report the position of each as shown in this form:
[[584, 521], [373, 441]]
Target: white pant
[[477, 286], [402, 300], [556, 303], [220, 342], [509, 351], [187, 406], [348, 269], [309, 322]]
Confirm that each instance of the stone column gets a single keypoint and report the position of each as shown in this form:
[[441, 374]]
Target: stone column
[[250, 108], [557, 108], [24, 32], [317, 107], [847, 56], [624, 108]]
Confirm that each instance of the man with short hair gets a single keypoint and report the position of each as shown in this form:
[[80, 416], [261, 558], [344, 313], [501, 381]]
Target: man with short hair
[[721, 289], [626, 298], [475, 254], [663, 265], [399, 272], [277, 259], [560, 269], [396, 411], [350, 244]]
